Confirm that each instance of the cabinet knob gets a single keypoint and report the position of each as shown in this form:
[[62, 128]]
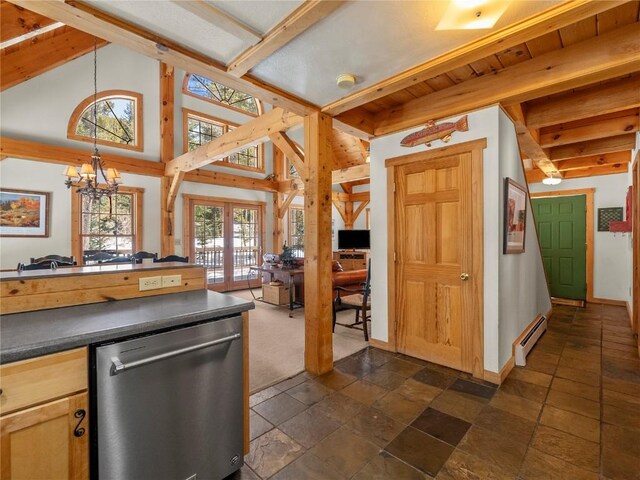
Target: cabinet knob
[[464, 276]]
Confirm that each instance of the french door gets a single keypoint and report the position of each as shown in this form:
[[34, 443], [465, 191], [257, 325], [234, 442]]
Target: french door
[[226, 237]]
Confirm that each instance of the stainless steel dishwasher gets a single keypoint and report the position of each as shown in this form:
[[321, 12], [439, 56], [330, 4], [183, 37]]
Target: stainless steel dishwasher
[[169, 405]]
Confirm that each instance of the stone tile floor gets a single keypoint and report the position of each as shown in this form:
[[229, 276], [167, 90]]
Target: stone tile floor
[[572, 413]]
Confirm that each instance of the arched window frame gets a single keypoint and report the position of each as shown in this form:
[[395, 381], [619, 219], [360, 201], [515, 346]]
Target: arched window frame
[[225, 124], [106, 95], [186, 91]]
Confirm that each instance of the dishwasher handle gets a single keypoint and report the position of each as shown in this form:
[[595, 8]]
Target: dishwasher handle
[[118, 367]]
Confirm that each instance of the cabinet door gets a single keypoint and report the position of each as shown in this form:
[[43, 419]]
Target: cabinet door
[[49, 441]]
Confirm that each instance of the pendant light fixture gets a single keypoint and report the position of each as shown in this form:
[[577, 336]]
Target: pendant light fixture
[[91, 179], [552, 179]]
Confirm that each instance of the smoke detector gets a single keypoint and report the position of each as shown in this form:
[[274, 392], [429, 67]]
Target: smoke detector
[[346, 80]]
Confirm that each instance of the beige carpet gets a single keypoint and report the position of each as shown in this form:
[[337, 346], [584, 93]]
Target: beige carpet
[[276, 342]]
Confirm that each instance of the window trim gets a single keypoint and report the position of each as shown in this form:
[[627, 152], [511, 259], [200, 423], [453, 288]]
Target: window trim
[[186, 112], [76, 211], [105, 95], [188, 203], [292, 207], [186, 91]]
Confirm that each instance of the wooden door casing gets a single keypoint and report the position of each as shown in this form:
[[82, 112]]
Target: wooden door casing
[[437, 220], [41, 441], [562, 232]]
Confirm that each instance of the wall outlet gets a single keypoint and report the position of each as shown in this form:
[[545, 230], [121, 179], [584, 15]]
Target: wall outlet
[[171, 281], [149, 283]]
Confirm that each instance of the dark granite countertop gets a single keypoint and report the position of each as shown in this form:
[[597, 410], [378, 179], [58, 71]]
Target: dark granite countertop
[[27, 335]]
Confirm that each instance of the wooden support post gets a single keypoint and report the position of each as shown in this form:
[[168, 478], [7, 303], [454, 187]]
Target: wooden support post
[[167, 217], [348, 209], [278, 199], [318, 353]]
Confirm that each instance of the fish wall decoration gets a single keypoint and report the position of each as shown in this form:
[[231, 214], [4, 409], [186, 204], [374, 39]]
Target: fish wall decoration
[[433, 132]]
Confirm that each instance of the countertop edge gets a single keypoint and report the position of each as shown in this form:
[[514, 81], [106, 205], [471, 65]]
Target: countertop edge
[[55, 345]]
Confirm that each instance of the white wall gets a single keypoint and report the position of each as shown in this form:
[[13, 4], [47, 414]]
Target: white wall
[[482, 124], [39, 109], [523, 288], [45, 177], [612, 252]]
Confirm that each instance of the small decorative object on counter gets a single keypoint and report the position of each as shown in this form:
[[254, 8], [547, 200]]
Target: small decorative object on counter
[[287, 257]]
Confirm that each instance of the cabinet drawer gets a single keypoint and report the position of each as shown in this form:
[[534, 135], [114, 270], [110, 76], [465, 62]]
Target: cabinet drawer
[[40, 379]]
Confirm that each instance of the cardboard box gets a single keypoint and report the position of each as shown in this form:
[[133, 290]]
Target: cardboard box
[[276, 294]]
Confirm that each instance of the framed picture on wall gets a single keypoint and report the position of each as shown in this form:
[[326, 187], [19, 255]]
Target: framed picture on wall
[[515, 216], [24, 213]]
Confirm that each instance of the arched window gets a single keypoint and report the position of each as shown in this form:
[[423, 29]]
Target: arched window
[[215, 92], [119, 120]]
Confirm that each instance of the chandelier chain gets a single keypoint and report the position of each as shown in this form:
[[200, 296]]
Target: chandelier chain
[[95, 94]]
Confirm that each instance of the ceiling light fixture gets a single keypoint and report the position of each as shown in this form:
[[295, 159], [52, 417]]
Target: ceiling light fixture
[[89, 177], [346, 80], [553, 178], [472, 14]]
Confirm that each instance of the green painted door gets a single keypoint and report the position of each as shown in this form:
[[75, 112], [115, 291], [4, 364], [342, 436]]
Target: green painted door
[[562, 232]]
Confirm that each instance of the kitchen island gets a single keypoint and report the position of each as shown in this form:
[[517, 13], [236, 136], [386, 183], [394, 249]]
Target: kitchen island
[[47, 356]]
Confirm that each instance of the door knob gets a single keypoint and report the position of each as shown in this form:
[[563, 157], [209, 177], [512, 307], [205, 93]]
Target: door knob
[[464, 276]]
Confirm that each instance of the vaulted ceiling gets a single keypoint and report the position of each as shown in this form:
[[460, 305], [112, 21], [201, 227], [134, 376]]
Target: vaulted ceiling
[[568, 73]]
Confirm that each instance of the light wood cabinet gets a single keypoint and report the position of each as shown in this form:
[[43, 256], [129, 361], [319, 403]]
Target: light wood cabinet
[[44, 430], [351, 260]]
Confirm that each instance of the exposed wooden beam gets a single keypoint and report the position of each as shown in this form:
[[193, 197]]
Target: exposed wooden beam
[[168, 186], [597, 100], [220, 19], [594, 161], [173, 190], [250, 133], [548, 21], [290, 150], [535, 176], [17, 21], [30, 58], [303, 17], [48, 153], [607, 56], [340, 197], [352, 173], [340, 206], [318, 297], [528, 141], [594, 147], [287, 201], [229, 180], [357, 122], [278, 199], [360, 197], [359, 210], [593, 128], [89, 19]]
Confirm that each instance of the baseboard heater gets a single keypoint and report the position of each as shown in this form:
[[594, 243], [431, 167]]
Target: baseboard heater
[[529, 340]]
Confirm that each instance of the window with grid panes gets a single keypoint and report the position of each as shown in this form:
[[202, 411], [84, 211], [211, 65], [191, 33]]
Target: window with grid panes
[[108, 224], [296, 230], [202, 130]]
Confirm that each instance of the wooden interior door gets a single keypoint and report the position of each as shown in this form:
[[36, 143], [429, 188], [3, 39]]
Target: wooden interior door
[[437, 304], [635, 225], [562, 232]]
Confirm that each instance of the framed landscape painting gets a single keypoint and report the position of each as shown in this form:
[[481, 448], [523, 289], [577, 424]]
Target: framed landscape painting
[[515, 216], [24, 213]]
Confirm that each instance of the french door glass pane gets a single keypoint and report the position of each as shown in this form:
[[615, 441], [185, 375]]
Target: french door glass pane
[[246, 247], [209, 240]]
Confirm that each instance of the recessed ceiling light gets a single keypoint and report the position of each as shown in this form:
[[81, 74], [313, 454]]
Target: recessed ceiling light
[[346, 80], [472, 14]]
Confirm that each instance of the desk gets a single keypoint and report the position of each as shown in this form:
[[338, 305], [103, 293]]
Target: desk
[[289, 272]]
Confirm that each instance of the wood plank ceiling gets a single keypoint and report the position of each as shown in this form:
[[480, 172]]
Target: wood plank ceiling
[[28, 53], [584, 131]]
